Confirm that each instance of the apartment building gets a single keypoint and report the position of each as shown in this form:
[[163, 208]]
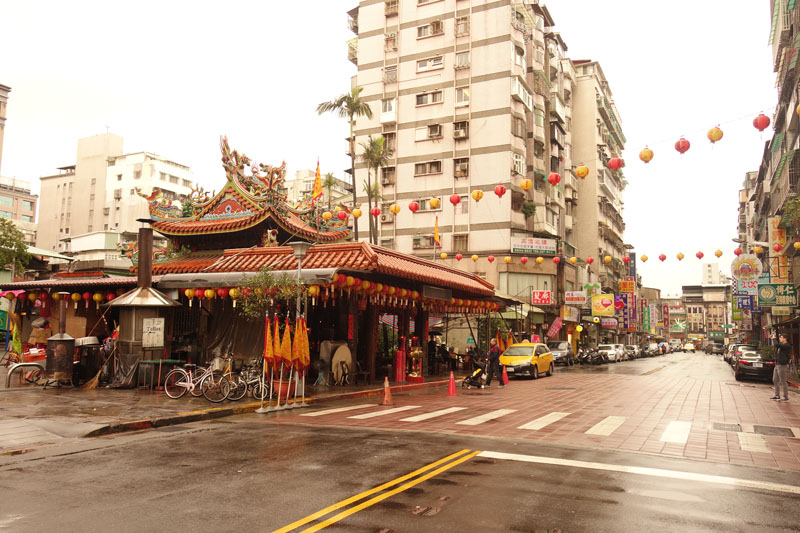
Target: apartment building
[[707, 310], [98, 192], [302, 186], [4, 90], [469, 95], [598, 138], [19, 205]]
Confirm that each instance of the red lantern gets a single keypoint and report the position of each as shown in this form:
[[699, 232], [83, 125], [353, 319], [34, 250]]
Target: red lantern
[[459, 257], [499, 190], [682, 145], [699, 255], [626, 259], [455, 199], [556, 260], [662, 257], [43, 295], [523, 260], [778, 247], [198, 293], [110, 296], [223, 292], [761, 122], [737, 252], [616, 163], [86, 297], [590, 260], [553, 178], [490, 259], [413, 206], [341, 215], [375, 211]]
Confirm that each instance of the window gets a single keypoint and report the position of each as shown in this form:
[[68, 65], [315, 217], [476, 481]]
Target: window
[[519, 58], [423, 2], [434, 28], [119, 177], [390, 8], [462, 60], [137, 174], [430, 167], [6, 201], [551, 217], [186, 183], [133, 191], [91, 213], [461, 167], [433, 131], [391, 141], [390, 44], [388, 175], [390, 74], [462, 208], [26, 218], [94, 181], [460, 242], [520, 93], [462, 96], [461, 130], [162, 176], [387, 105], [387, 243], [462, 26], [518, 128], [429, 98], [173, 179], [423, 241], [538, 117], [518, 164], [431, 63], [118, 194], [89, 228], [5, 214]]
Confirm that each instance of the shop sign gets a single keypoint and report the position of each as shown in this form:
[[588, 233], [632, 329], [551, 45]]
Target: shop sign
[[716, 335], [3, 316], [570, 313], [555, 327], [541, 297], [533, 245], [575, 297], [781, 311], [626, 286], [603, 305], [778, 266], [646, 319], [736, 315], [770, 294], [746, 267], [608, 323]]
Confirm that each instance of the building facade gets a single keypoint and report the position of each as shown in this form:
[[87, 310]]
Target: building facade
[[302, 186], [18, 204], [4, 90]]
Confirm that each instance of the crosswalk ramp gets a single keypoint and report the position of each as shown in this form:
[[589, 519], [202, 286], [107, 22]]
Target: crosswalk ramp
[[19, 433]]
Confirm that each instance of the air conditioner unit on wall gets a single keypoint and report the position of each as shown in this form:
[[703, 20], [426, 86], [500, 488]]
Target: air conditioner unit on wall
[[387, 217], [460, 134]]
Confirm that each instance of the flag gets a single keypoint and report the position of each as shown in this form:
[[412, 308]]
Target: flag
[[269, 354], [305, 354], [297, 344], [509, 339], [286, 344], [436, 232], [499, 340], [317, 192], [276, 343]]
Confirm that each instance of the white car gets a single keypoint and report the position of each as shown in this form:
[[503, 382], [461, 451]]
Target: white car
[[621, 351], [614, 352]]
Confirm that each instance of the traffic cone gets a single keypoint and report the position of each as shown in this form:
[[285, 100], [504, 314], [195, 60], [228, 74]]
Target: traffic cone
[[505, 376], [387, 393], [451, 387]]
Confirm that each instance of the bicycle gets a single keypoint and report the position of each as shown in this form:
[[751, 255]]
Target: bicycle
[[9, 358], [215, 388], [250, 377]]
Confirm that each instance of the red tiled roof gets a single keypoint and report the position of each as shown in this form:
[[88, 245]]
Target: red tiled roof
[[113, 281], [194, 262], [353, 256]]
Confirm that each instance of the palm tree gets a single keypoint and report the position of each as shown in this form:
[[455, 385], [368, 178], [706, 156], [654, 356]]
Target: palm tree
[[350, 106], [376, 155], [374, 192], [329, 183]]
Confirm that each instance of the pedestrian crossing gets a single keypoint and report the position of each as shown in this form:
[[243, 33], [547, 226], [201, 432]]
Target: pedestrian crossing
[[675, 432]]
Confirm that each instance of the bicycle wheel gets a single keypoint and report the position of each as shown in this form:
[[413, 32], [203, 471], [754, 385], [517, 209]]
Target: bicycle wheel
[[259, 392], [238, 389], [176, 383], [196, 392], [215, 388]]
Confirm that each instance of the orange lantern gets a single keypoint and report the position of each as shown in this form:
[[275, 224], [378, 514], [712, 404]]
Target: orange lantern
[[758, 250], [607, 259], [573, 260], [582, 171], [56, 296], [32, 296], [394, 209], [349, 281], [434, 203], [680, 256], [646, 155], [796, 245], [356, 212], [525, 184], [443, 255], [507, 259], [714, 134], [644, 259], [189, 293], [326, 216], [474, 257], [75, 297], [539, 260], [718, 253], [98, 297], [209, 294], [477, 194]]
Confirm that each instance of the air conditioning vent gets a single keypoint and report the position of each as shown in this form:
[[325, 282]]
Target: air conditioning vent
[[437, 27], [387, 217], [460, 134]]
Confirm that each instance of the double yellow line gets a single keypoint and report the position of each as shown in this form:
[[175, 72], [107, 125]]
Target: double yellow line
[[449, 462]]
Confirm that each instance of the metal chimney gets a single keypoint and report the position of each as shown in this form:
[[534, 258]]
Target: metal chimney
[[145, 267]]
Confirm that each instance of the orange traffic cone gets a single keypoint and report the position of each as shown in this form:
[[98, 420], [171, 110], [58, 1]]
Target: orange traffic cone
[[505, 376], [387, 393], [451, 387]]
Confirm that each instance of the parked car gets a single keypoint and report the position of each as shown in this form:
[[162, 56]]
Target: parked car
[[652, 349], [675, 344], [614, 352], [736, 350], [751, 364], [528, 358], [688, 347], [562, 353], [717, 349], [633, 351], [621, 350]]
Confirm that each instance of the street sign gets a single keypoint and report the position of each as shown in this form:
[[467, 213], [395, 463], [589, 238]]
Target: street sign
[[727, 326]]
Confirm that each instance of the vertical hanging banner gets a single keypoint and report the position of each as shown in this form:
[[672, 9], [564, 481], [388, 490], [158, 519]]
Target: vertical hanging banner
[[646, 319], [665, 315], [778, 266]]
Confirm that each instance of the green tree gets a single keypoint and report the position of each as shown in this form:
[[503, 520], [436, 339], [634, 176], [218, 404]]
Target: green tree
[[349, 106], [13, 251], [328, 184], [376, 155]]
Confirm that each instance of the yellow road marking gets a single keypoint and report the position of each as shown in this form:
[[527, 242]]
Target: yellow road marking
[[385, 495], [348, 501]]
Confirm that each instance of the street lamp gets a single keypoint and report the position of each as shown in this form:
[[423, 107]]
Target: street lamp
[[300, 249]]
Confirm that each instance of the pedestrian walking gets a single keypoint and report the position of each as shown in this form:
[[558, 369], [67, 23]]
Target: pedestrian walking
[[494, 363], [782, 358]]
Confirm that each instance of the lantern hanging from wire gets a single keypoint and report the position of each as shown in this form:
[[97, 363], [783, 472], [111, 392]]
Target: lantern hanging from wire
[[714, 134], [761, 122], [443, 255], [644, 259], [477, 194], [680, 256], [455, 199], [356, 212], [662, 257], [682, 145], [459, 257], [646, 155], [699, 255], [589, 260], [582, 171], [394, 209], [413, 206], [435, 202], [616, 163], [490, 259], [499, 190], [525, 184], [718, 253], [554, 178], [523, 259]]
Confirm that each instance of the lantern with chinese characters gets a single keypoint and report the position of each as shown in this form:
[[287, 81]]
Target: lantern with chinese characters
[[589, 260], [523, 259], [435, 203], [507, 259], [234, 293], [455, 199], [394, 209], [326, 216], [644, 259], [761, 122], [615, 163], [778, 247], [737, 252], [718, 253], [582, 171], [474, 257], [443, 255], [758, 250], [682, 145], [189, 293], [699, 255], [714, 134], [341, 215], [607, 259], [413, 206], [662, 258], [356, 212], [526, 184], [375, 211], [209, 294], [490, 259], [499, 190], [75, 297], [554, 178], [477, 194], [459, 257], [573, 260], [646, 155], [556, 260]]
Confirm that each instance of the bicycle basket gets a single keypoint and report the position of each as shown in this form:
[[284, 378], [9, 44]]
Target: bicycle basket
[[236, 364]]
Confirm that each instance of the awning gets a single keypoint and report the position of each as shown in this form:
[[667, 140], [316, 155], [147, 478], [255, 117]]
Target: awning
[[198, 280], [47, 253]]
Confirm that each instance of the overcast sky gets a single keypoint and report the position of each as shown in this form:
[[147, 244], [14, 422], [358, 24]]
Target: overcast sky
[[171, 77]]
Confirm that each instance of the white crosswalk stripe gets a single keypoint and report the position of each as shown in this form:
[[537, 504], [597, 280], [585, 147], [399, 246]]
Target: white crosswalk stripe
[[433, 414], [607, 426], [383, 413], [546, 420], [339, 410], [676, 432], [485, 417]]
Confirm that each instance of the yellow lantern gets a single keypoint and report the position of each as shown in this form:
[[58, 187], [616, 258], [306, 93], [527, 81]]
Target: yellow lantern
[[189, 293], [326, 216], [234, 293], [75, 297], [573, 260], [644, 259], [582, 171], [525, 184], [349, 280], [507, 259], [607, 259], [392, 290], [539, 260], [796, 245], [394, 209], [210, 294], [714, 134], [579, 328], [646, 155], [475, 257], [356, 212], [98, 297], [365, 285], [596, 320], [680, 256], [443, 255], [758, 250], [477, 194], [434, 203], [56, 296], [32, 296], [379, 287], [718, 253]]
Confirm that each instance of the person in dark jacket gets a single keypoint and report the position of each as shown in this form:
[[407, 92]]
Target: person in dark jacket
[[782, 357], [494, 363]]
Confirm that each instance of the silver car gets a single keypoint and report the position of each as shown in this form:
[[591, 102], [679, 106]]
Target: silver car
[[614, 352]]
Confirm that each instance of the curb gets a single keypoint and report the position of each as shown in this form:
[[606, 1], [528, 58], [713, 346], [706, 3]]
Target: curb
[[221, 412]]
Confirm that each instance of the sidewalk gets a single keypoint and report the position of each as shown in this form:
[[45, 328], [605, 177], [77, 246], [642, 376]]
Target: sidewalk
[[31, 416]]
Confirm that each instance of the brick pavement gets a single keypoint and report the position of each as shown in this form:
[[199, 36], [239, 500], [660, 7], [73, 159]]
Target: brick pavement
[[666, 406]]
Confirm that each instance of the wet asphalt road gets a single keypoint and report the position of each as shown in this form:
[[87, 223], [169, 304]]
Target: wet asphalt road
[[250, 474]]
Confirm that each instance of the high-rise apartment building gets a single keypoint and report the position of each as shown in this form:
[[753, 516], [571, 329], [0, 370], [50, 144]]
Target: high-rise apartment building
[[470, 95], [302, 186], [4, 90], [98, 192], [18, 204]]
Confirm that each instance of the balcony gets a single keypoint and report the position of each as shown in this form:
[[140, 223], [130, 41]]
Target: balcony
[[520, 92], [568, 222], [352, 50], [352, 20], [558, 110], [390, 8]]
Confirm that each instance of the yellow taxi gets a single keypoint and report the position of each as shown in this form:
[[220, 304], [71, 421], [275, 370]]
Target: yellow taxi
[[527, 358]]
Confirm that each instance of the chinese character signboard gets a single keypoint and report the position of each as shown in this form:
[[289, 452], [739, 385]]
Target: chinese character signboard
[[781, 311], [608, 323], [771, 294], [575, 297], [555, 327], [646, 319], [570, 314], [632, 266], [533, 246], [603, 305], [625, 312], [746, 267], [541, 298], [743, 301], [626, 286], [778, 267]]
